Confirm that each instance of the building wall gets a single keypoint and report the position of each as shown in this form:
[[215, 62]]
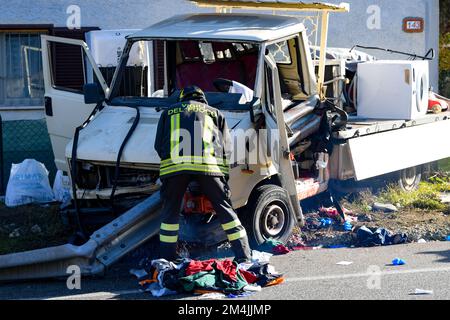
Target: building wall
[[346, 30], [353, 28]]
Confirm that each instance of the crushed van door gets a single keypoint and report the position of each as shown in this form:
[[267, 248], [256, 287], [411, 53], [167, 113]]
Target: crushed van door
[[64, 100]]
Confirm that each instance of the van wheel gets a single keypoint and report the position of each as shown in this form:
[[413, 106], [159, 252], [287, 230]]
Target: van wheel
[[268, 215], [410, 178]]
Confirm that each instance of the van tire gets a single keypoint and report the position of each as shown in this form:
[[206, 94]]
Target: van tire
[[409, 179], [268, 215]]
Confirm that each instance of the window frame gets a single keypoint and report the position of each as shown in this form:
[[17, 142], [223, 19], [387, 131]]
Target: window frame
[[38, 29], [289, 50]]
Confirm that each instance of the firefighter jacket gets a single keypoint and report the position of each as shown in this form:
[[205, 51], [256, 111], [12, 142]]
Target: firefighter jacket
[[193, 138]]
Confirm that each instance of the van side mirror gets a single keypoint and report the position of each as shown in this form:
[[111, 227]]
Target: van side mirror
[[93, 93]]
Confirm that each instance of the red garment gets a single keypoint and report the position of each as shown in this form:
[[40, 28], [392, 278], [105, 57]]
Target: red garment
[[227, 267], [280, 249], [250, 277]]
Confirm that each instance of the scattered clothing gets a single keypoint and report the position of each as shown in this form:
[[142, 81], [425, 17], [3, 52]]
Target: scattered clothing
[[240, 295], [295, 241], [265, 274], [333, 212], [281, 249], [313, 224], [380, 237], [212, 296], [161, 277], [246, 92], [348, 226], [227, 267], [261, 257], [250, 277], [269, 245], [158, 278], [398, 262]]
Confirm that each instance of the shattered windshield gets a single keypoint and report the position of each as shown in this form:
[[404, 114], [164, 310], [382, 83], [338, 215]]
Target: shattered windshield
[[225, 71]]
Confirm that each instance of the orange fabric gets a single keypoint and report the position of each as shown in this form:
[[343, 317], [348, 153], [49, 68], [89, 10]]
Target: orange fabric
[[147, 281], [275, 282], [206, 291]]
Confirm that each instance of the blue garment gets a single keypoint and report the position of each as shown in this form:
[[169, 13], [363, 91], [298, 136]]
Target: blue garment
[[379, 237]]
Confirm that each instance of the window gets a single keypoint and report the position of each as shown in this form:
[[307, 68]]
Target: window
[[280, 52], [21, 77], [70, 67]]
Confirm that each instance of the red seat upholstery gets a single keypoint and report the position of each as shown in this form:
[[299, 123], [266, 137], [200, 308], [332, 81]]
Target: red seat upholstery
[[250, 62], [194, 72], [203, 75]]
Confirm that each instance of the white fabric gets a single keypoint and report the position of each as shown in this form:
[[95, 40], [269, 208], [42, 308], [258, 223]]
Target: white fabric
[[246, 92], [261, 257]]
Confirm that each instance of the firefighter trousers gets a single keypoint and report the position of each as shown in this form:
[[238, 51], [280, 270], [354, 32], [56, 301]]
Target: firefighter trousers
[[217, 191]]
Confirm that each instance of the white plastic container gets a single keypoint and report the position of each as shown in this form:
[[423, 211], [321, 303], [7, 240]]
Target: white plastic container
[[395, 90]]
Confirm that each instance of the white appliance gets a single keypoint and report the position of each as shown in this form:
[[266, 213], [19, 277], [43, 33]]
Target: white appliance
[[394, 90], [107, 46]]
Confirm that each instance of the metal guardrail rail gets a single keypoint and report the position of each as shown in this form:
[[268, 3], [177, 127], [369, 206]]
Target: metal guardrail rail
[[104, 248]]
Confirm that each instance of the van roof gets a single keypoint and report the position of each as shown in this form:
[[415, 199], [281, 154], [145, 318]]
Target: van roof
[[229, 27]]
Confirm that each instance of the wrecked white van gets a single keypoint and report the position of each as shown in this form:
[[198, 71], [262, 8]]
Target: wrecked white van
[[114, 166]]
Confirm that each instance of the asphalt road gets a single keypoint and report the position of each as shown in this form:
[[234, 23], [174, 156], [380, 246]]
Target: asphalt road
[[309, 275]]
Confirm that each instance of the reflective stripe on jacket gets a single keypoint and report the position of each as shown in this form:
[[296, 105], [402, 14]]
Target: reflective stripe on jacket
[[193, 138]]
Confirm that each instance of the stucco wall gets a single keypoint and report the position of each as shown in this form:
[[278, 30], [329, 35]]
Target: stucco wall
[[345, 29]]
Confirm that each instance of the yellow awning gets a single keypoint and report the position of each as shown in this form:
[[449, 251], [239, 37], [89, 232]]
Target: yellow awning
[[273, 5]]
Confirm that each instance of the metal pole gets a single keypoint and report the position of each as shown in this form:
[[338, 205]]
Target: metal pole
[[323, 54]]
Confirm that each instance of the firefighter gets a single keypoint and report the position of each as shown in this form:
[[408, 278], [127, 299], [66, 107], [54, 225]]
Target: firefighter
[[194, 144]]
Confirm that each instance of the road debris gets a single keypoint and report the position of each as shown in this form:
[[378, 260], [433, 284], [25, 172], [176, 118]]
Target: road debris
[[261, 257], [334, 213], [398, 262], [212, 296], [213, 277], [348, 226], [383, 207], [344, 263], [370, 237], [423, 292]]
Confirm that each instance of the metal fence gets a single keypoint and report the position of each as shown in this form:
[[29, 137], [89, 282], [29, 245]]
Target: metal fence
[[24, 139]]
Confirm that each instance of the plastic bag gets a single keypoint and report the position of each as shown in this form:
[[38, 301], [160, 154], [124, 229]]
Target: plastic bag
[[28, 183], [61, 188]]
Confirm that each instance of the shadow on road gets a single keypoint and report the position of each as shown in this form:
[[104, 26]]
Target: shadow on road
[[444, 254]]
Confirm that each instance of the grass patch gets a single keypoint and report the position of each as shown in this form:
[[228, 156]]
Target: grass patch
[[426, 197], [23, 220]]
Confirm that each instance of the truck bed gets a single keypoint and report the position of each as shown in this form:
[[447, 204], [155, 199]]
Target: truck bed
[[358, 127], [370, 148]]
